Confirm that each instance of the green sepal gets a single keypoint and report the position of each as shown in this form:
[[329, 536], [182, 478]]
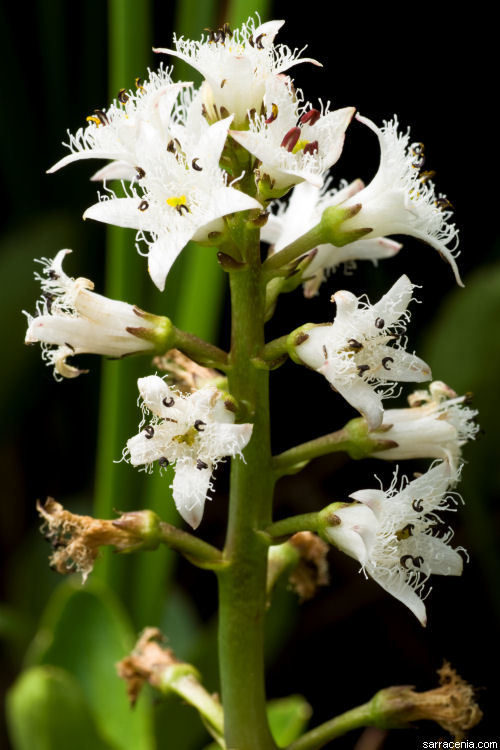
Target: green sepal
[[331, 225], [297, 337]]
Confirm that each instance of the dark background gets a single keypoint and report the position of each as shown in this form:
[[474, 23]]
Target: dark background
[[437, 70]]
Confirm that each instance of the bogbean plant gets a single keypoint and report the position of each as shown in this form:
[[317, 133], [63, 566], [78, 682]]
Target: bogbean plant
[[213, 165]]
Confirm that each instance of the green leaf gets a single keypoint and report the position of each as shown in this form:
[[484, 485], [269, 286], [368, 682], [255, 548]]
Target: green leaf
[[47, 710], [288, 718], [86, 632], [464, 351]]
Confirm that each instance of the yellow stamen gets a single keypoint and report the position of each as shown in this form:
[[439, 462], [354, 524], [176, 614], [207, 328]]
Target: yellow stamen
[[299, 146], [138, 84], [175, 201], [92, 118], [188, 437]]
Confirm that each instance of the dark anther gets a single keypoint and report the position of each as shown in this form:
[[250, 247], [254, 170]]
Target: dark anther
[[138, 83], [362, 369], [101, 116], [196, 166], [405, 532], [416, 561], [379, 323], [443, 203], [417, 505], [224, 112], [290, 140], [171, 147], [149, 432], [143, 205], [310, 117], [419, 162], [140, 173], [168, 401], [325, 352], [258, 41], [163, 462], [223, 82], [428, 175], [251, 41], [52, 274], [123, 97], [201, 465], [311, 148], [70, 346], [199, 425], [181, 207], [417, 148], [386, 361], [354, 344], [468, 397], [273, 115]]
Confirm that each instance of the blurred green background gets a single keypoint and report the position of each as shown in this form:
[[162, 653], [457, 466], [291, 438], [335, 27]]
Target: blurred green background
[[61, 61]]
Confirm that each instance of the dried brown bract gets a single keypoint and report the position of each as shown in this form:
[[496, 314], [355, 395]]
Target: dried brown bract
[[183, 373], [312, 569], [146, 663]]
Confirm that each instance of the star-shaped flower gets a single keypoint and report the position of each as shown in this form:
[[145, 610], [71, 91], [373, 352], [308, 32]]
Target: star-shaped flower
[[136, 123], [303, 211], [182, 196], [354, 353], [293, 141], [399, 537], [437, 425], [236, 66], [401, 198], [194, 431], [72, 319]]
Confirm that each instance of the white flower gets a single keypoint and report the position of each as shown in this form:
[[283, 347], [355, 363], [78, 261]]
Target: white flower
[[183, 196], [305, 207], [399, 537], [136, 122], [291, 152], [194, 431], [437, 424], [75, 320], [354, 355], [402, 200], [236, 65]]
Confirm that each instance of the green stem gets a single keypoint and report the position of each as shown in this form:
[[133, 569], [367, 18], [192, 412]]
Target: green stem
[[190, 690], [196, 549], [308, 241], [305, 452], [293, 524], [361, 716], [275, 351], [242, 585], [201, 351]]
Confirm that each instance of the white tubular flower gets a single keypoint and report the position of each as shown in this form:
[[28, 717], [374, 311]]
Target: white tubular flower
[[291, 153], [437, 425], [194, 431], [183, 195], [303, 212], [353, 353], [236, 66], [72, 320], [401, 199], [134, 122], [399, 537]]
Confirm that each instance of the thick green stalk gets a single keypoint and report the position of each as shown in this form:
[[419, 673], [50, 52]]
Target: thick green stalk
[[242, 585]]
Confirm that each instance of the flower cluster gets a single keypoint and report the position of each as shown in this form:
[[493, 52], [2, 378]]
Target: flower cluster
[[205, 165]]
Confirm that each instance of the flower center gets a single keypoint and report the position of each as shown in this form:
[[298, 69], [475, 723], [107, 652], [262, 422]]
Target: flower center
[[179, 203]]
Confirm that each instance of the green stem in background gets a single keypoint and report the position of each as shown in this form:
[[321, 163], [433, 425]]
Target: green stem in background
[[194, 300], [129, 26], [242, 585]]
